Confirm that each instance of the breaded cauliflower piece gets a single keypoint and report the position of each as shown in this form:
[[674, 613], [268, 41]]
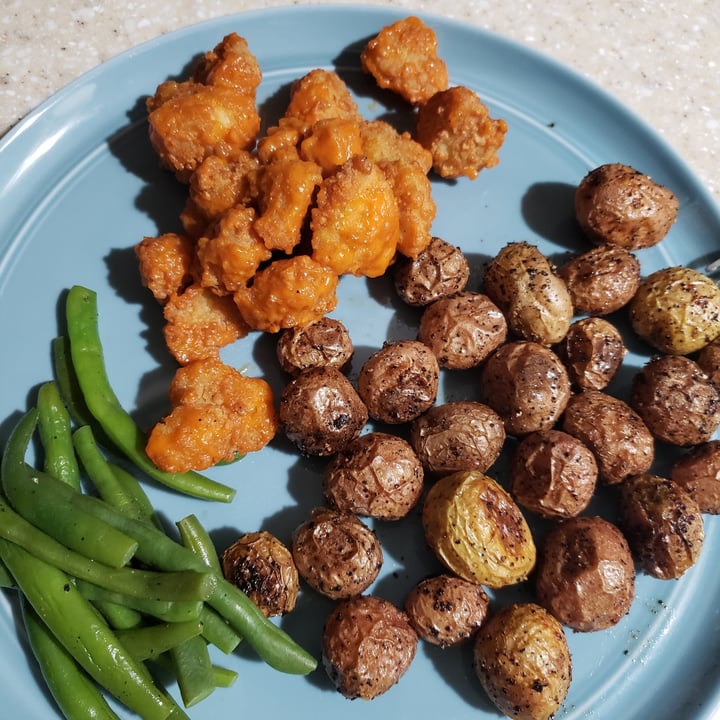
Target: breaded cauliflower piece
[[381, 142], [320, 95], [281, 141], [198, 323], [210, 120], [285, 192], [417, 207], [403, 57], [219, 183], [230, 63], [231, 252], [288, 293], [166, 264], [356, 221], [331, 143], [216, 414], [456, 127]]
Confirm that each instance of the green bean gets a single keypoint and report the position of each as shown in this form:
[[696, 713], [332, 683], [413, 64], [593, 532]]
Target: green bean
[[88, 361], [75, 694], [101, 475], [165, 610], [223, 677], [75, 624], [268, 640], [217, 631], [194, 536], [193, 670], [67, 382], [188, 584], [147, 643], [74, 528], [132, 487], [119, 617], [56, 436], [6, 579]]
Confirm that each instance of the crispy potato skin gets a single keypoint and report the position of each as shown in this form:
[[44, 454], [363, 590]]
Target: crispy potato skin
[[477, 531], [324, 342], [601, 280], [592, 351], [523, 662], [676, 310], [698, 472], [320, 411], [617, 436], [457, 435], [376, 475], [662, 523], [403, 58], [446, 610], [263, 568], [709, 360], [399, 381], [615, 204], [553, 474], [586, 574], [440, 270], [368, 644], [463, 329], [521, 281], [677, 401], [336, 553], [526, 384]]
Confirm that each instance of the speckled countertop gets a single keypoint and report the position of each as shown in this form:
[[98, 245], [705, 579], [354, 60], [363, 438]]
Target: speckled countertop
[[661, 59]]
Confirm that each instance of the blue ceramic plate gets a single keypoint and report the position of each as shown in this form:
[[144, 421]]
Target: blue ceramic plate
[[79, 186]]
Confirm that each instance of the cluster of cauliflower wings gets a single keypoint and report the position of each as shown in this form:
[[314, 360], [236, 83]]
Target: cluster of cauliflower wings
[[273, 220]]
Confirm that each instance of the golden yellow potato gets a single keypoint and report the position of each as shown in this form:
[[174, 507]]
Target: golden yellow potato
[[477, 530], [676, 310], [523, 662], [522, 282]]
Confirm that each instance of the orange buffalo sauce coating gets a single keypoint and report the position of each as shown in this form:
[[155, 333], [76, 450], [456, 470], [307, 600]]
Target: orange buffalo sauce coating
[[166, 264], [331, 143], [217, 412], [288, 293], [356, 222], [321, 95]]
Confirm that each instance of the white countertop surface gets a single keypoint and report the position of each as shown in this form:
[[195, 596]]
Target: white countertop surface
[[661, 59]]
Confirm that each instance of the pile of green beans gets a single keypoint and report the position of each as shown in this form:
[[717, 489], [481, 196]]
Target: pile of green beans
[[105, 593]]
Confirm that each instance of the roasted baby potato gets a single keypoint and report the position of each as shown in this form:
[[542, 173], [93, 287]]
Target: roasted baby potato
[[601, 280], [676, 400], [263, 568], [325, 342], [376, 475], [399, 381], [553, 474], [676, 310], [619, 439], [698, 471], [526, 384], [617, 205], [320, 411], [522, 282], [462, 330], [662, 523], [523, 662], [368, 644], [336, 553], [446, 610], [441, 269], [586, 574], [709, 360], [457, 435], [476, 529], [592, 351]]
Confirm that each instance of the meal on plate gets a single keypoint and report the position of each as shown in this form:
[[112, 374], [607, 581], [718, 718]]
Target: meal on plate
[[277, 211]]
